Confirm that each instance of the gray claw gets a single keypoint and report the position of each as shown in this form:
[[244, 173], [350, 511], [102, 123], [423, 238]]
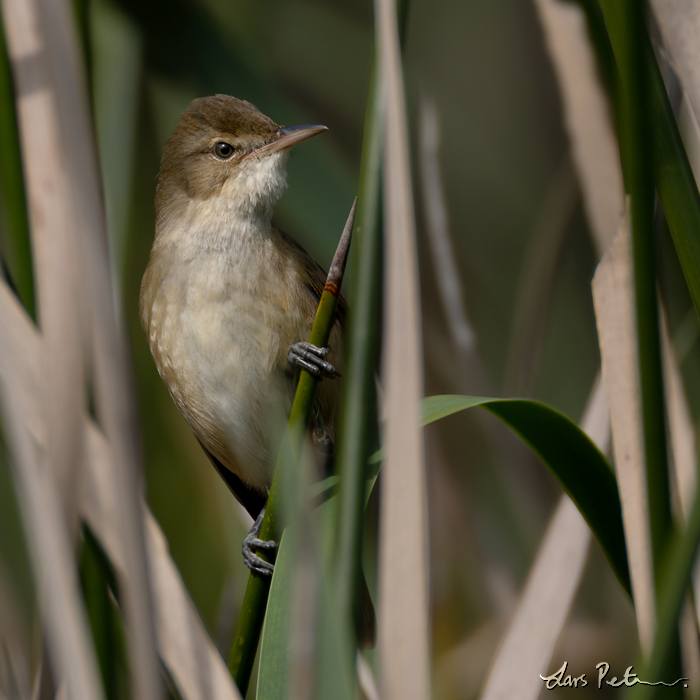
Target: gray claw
[[251, 543], [310, 358]]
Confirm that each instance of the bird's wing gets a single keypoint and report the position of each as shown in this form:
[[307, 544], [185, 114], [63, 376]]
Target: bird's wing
[[316, 274]]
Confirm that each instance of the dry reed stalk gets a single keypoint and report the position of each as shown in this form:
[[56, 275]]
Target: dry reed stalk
[[49, 54], [55, 246], [536, 625], [403, 561], [184, 646], [15, 642], [587, 117], [681, 429], [63, 616], [683, 474], [596, 153], [614, 301], [679, 22], [447, 275]]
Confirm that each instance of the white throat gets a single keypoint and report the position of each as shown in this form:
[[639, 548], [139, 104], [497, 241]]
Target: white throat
[[239, 218], [256, 186]]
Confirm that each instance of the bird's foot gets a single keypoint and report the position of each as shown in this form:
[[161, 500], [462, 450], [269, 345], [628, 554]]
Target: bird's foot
[[252, 543], [310, 358]]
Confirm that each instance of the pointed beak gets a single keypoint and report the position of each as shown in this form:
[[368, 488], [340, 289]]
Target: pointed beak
[[287, 136]]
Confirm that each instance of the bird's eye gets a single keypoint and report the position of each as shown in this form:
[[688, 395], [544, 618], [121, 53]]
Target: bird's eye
[[223, 150]]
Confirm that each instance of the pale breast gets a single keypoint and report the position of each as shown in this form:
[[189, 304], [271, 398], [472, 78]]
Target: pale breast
[[219, 327]]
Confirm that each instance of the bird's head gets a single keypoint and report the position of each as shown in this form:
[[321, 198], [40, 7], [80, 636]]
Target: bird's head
[[225, 149]]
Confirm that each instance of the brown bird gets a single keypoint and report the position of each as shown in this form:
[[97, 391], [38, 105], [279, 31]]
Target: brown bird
[[227, 299]]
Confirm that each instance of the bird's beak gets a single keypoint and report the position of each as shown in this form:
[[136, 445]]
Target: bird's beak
[[287, 136]]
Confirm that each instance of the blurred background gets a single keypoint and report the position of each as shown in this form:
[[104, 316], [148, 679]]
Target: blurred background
[[485, 110]]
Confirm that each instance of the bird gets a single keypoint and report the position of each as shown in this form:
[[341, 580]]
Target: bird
[[227, 299]]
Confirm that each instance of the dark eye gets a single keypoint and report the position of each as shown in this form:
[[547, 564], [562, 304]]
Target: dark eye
[[223, 150]]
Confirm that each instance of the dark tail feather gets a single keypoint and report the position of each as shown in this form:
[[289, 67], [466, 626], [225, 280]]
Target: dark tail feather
[[252, 500]]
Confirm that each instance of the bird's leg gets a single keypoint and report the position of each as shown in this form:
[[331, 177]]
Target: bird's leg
[[310, 358], [251, 543]]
